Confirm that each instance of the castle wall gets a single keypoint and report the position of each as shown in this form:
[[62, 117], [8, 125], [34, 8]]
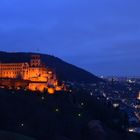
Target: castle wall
[[11, 70], [38, 74], [9, 83], [37, 86]]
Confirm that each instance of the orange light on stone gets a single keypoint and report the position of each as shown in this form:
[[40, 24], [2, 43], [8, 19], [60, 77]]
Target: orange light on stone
[[51, 90], [58, 88], [50, 72]]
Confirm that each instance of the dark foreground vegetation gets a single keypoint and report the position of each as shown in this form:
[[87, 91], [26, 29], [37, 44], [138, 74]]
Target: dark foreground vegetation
[[63, 116]]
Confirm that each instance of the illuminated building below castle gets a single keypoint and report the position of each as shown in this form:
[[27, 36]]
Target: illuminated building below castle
[[33, 75]]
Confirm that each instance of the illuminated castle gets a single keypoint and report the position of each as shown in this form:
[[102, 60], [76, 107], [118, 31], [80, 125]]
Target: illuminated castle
[[35, 73]]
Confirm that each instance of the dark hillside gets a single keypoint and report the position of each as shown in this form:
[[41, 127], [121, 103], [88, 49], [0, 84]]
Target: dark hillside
[[65, 71], [58, 117]]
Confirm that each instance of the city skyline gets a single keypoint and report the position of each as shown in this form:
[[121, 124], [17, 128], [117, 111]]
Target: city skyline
[[101, 36]]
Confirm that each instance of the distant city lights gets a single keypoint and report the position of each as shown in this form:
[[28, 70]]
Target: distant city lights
[[115, 105], [91, 94]]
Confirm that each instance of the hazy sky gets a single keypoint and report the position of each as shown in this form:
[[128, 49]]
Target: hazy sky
[[102, 36]]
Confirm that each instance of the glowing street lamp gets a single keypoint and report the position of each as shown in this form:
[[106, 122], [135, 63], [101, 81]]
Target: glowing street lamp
[[22, 125], [56, 110], [43, 98], [79, 115]]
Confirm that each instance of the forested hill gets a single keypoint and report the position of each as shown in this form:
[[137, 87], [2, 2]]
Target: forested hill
[[64, 70]]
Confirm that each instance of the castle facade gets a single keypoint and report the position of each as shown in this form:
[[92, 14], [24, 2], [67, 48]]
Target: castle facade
[[39, 77]]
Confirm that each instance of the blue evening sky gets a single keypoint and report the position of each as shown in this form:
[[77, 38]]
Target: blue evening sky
[[101, 36]]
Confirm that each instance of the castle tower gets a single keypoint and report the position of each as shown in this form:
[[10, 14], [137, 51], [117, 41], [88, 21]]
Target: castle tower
[[35, 61]]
